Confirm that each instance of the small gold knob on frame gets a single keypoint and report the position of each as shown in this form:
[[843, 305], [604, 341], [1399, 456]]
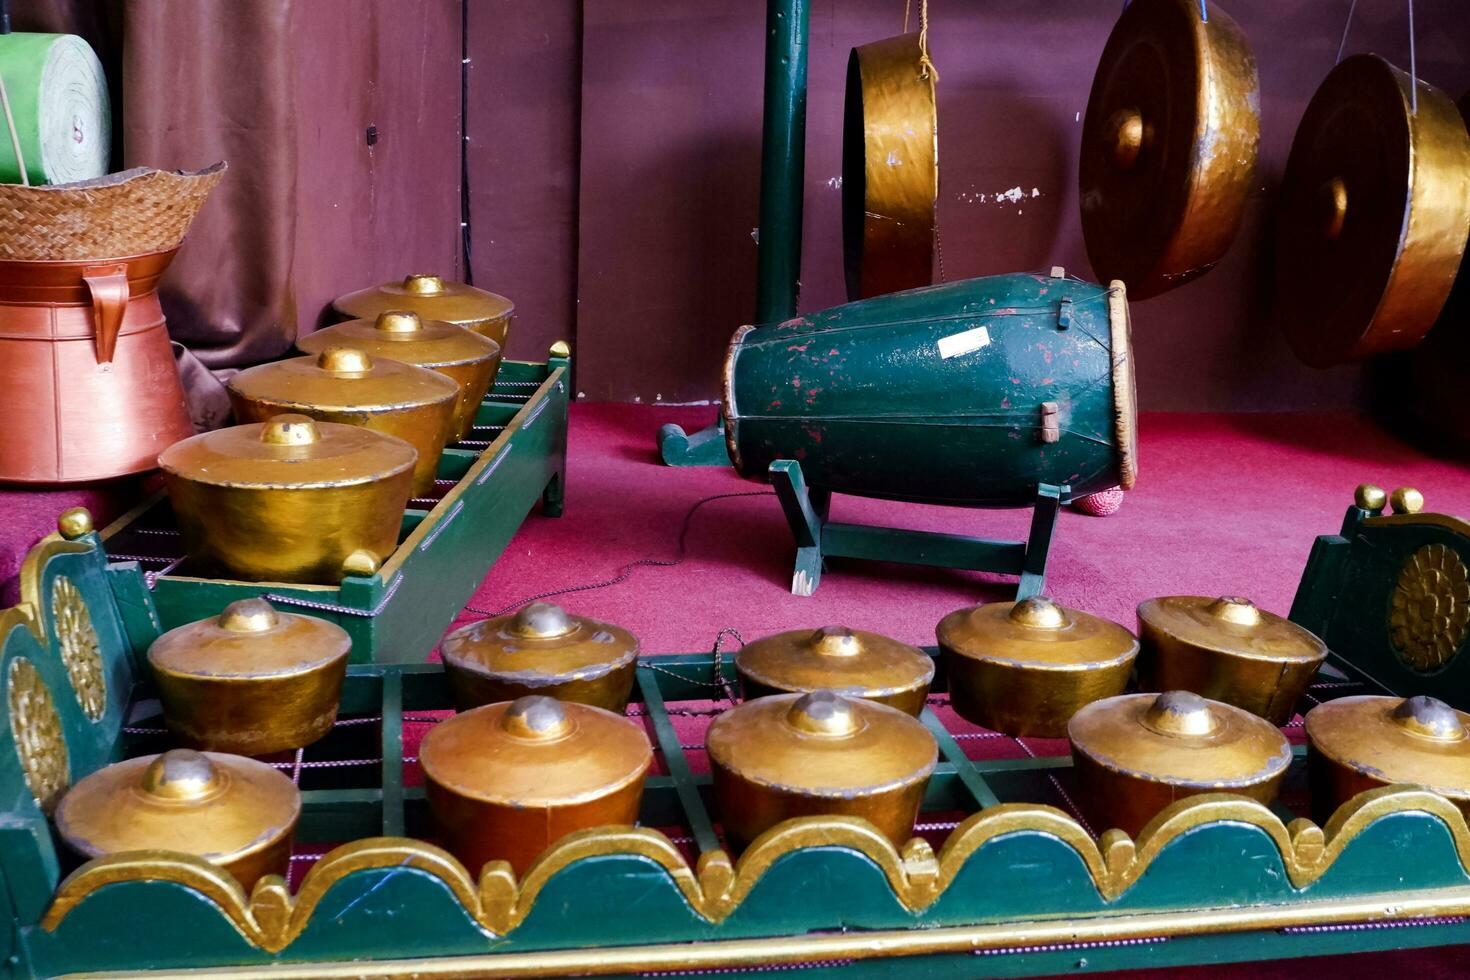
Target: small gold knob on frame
[[74, 522], [1369, 497], [1406, 500], [560, 349]]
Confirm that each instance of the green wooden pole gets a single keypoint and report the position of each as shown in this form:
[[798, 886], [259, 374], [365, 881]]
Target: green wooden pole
[[783, 160], [783, 172]]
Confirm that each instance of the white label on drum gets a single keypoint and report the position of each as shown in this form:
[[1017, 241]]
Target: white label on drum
[[963, 343]]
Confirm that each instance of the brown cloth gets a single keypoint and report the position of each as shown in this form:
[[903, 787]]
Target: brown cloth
[[229, 295]]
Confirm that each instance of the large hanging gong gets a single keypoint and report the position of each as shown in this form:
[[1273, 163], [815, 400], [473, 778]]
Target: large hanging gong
[[1168, 145], [1375, 209], [890, 168], [1435, 376]]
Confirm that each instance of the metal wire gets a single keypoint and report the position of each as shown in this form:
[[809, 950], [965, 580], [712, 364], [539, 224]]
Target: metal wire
[[1346, 24], [1066, 797], [1413, 66]]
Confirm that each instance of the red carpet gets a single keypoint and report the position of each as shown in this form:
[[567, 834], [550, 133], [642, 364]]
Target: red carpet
[[1224, 505]]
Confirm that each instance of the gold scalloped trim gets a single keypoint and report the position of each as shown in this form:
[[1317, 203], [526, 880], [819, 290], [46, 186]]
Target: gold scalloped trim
[[272, 919]]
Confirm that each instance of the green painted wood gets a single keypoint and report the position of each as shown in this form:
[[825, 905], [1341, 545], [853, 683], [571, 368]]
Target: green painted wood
[[818, 539], [868, 401], [626, 899], [980, 794], [392, 755], [783, 160], [695, 815], [1348, 589], [922, 548], [703, 448]]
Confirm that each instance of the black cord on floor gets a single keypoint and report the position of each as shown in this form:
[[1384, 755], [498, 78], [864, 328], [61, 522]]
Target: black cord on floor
[[627, 570]]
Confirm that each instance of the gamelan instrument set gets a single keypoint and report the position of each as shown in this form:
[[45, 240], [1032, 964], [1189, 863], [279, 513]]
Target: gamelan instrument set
[[225, 747]]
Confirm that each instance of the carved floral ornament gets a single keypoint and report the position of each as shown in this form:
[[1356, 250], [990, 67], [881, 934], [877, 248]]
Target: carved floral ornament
[[35, 729], [80, 648], [1429, 614], [271, 918]]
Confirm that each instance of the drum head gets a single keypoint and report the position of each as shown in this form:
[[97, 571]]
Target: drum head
[[1168, 145], [1375, 207], [890, 169]]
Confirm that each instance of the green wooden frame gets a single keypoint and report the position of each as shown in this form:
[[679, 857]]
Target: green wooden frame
[[1019, 889]]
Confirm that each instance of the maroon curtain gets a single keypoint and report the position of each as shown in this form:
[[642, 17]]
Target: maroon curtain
[[285, 91]]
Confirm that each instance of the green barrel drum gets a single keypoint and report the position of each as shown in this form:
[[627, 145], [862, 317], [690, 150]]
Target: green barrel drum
[[972, 393]]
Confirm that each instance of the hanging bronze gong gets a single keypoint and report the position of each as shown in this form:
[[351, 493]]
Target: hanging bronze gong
[[1375, 208], [1436, 369], [890, 168], [1168, 145]]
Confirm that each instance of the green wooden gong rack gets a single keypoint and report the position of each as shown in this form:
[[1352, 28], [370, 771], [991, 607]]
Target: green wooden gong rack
[[1003, 878], [486, 485]]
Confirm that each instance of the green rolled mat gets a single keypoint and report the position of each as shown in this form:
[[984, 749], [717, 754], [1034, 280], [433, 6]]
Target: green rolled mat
[[58, 99]]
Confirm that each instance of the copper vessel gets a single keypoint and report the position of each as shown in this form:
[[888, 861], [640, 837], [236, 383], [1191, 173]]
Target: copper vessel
[[1228, 650], [1376, 201], [468, 359], [252, 680], [507, 780], [289, 500], [343, 384], [798, 755], [852, 662], [1362, 743], [1169, 145], [890, 167], [1024, 668], [1135, 754], [88, 386], [433, 298], [541, 649], [234, 812]]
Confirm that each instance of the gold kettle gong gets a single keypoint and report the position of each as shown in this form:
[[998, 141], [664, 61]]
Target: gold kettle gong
[[890, 168], [1168, 145]]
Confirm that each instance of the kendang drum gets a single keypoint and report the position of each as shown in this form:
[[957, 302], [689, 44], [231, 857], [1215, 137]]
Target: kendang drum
[[88, 385], [972, 393]]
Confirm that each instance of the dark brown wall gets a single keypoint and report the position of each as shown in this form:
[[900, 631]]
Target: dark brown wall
[[670, 159], [523, 123], [370, 213]]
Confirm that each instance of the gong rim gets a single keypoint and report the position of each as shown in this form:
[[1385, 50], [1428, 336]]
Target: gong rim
[[1375, 210], [1169, 145], [890, 168], [1436, 368]]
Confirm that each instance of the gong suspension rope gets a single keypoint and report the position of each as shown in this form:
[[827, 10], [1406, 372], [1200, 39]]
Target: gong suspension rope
[[1204, 11], [1413, 66], [1353, 5], [926, 64]]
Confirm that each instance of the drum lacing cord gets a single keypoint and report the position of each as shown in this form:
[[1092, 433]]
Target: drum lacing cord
[[626, 572]]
